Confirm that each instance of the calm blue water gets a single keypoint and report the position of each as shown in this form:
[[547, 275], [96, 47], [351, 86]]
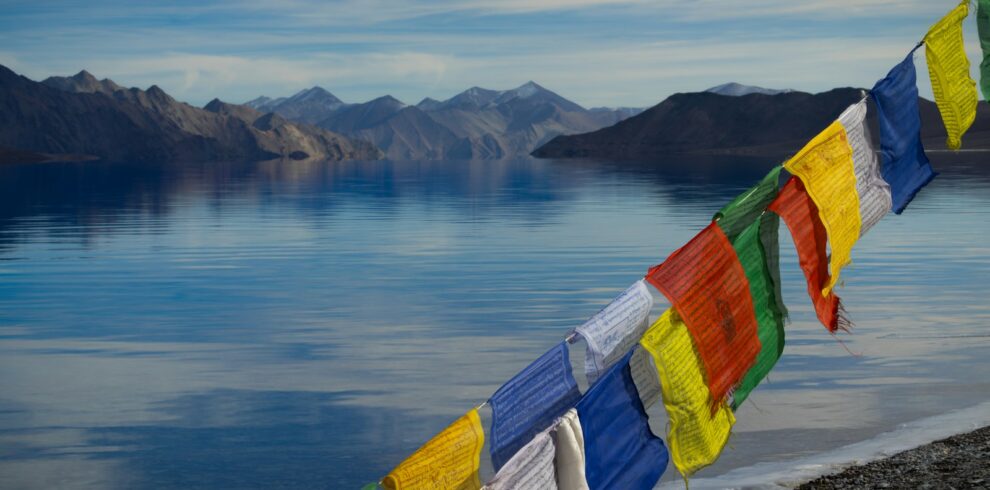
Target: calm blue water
[[307, 325]]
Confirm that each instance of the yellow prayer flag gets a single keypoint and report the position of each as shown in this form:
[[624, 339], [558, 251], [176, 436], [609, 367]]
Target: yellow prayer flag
[[696, 435], [448, 461], [948, 66], [825, 166]]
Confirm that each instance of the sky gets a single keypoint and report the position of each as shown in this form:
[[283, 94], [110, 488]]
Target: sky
[[630, 53]]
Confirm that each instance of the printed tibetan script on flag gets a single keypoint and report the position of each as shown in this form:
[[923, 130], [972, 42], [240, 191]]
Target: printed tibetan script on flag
[[872, 190], [707, 286], [825, 166], [614, 330], [530, 468], [448, 461], [948, 67], [530, 401], [696, 435]]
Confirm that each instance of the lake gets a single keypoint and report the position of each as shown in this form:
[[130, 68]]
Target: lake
[[308, 325]]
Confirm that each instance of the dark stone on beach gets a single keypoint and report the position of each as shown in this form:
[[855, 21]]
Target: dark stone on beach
[[961, 461]]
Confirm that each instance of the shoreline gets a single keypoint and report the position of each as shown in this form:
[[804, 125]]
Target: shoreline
[[959, 461], [907, 437]]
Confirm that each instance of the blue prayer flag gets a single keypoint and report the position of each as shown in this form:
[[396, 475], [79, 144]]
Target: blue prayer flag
[[905, 166], [620, 450], [530, 402]]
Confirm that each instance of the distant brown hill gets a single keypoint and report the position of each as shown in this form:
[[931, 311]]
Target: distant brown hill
[[83, 116], [753, 124]]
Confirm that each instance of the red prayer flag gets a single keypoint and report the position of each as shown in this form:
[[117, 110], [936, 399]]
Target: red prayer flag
[[799, 212], [708, 287]]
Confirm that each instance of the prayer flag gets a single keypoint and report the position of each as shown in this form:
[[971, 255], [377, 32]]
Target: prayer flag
[[840, 172], [753, 234], [798, 211], [569, 458], [770, 322], [905, 166], [983, 26], [448, 461], [748, 206], [707, 285], [872, 190], [620, 450], [948, 67], [825, 165], [615, 329], [696, 435], [530, 469], [530, 401]]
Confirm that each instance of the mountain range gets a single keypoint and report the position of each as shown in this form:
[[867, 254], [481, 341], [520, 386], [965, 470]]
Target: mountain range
[[756, 123], [81, 117], [478, 123]]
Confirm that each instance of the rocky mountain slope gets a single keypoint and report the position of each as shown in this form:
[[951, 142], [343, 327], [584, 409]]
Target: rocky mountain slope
[[477, 123], [755, 124], [83, 116]]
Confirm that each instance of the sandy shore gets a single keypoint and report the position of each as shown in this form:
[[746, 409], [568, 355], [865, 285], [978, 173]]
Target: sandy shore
[[961, 461]]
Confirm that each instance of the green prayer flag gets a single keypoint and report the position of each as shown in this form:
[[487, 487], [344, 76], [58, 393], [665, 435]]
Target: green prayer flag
[[770, 322], [983, 24], [744, 209], [754, 236]]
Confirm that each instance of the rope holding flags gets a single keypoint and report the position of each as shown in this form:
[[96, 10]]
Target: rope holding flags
[[725, 329]]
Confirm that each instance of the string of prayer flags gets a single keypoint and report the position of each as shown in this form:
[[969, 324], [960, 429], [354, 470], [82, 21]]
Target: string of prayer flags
[[569, 458], [696, 435], [825, 165], [448, 461], [905, 166], [725, 330], [707, 285], [948, 67], [983, 27], [615, 329], [530, 402], [872, 190], [530, 469], [798, 211], [620, 450]]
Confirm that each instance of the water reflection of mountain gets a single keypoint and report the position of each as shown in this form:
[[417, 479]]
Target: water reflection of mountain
[[86, 198], [92, 196]]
